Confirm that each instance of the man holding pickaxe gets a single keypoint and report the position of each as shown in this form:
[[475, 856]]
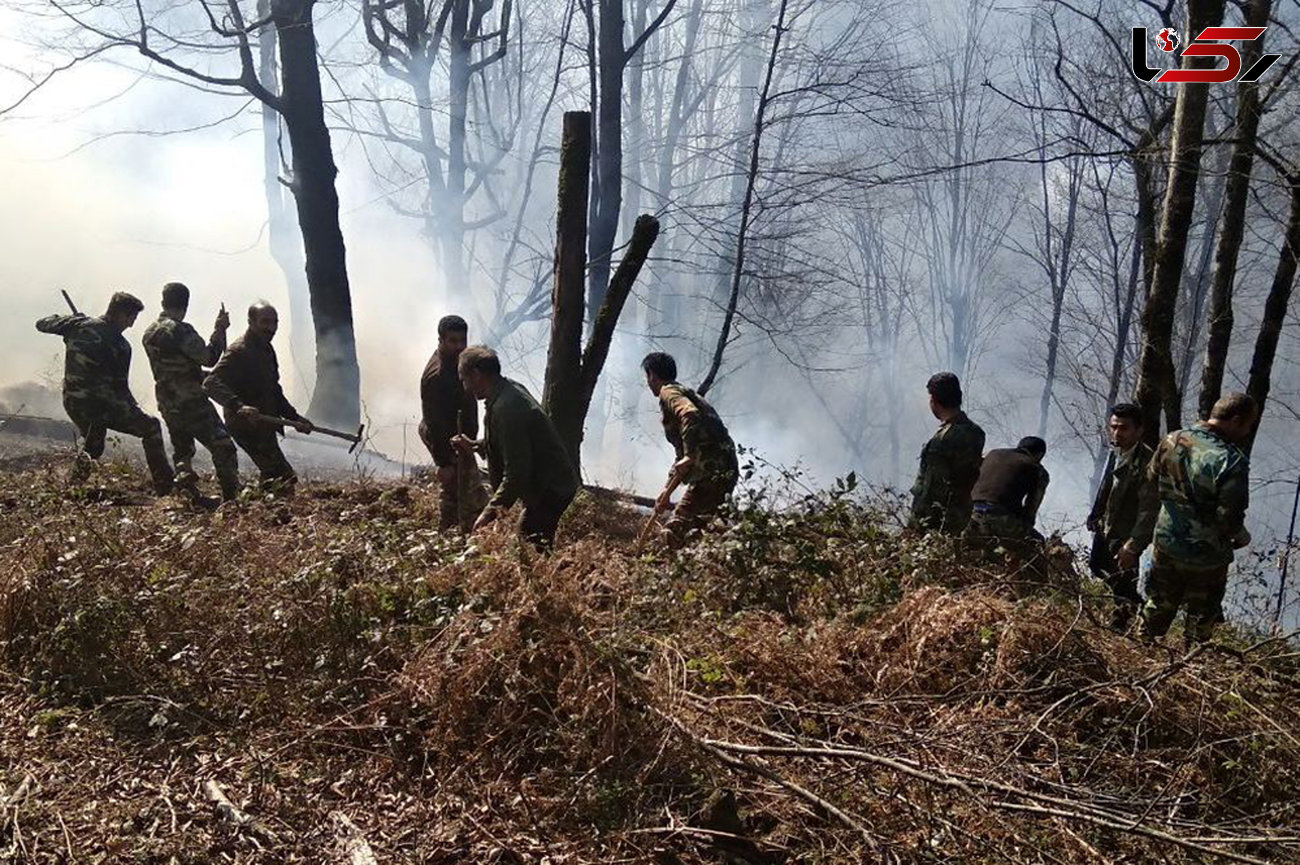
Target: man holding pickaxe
[[706, 456], [246, 384], [96, 393], [178, 356]]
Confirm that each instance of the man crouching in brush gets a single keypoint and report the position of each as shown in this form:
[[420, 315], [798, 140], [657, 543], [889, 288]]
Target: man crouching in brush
[[526, 459], [706, 456]]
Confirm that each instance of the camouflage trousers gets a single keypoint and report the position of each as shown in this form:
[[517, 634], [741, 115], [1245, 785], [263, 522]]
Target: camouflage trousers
[[999, 532], [199, 422], [262, 444], [541, 519], [94, 416], [1122, 582], [698, 505], [1171, 586]]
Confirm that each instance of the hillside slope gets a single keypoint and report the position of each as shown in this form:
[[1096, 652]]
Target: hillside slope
[[809, 686]]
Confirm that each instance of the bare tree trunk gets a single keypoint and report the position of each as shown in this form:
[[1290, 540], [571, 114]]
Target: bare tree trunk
[[607, 200], [1194, 312], [285, 241], [1279, 295], [1059, 272], [451, 219], [337, 396], [1156, 387], [738, 270], [561, 395], [1233, 223]]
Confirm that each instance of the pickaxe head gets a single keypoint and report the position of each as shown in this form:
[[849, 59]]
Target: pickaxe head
[[356, 444]]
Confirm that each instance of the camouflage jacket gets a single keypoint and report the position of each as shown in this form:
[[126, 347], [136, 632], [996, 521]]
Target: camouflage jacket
[[446, 409], [1125, 492], [526, 459], [249, 374], [1202, 485], [694, 430], [950, 465], [178, 355], [97, 363]]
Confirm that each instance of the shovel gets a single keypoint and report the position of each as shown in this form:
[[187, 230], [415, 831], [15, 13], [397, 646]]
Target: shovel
[[355, 438]]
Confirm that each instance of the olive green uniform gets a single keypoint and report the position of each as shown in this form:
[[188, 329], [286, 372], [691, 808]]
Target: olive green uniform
[[1116, 512], [695, 430], [950, 465], [527, 462], [1202, 484], [178, 355], [248, 374], [97, 395]]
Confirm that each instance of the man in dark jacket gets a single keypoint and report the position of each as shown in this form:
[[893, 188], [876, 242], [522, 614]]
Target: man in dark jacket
[[1115, 514], [950, 462], [96, 393], [447, 411], [527, 461], [1009, 491], [246, 384]]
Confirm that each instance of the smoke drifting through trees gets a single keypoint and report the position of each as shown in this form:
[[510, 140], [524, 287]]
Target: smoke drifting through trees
[[986, 190]]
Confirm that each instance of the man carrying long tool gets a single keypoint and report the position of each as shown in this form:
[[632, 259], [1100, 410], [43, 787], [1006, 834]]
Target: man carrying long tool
[[447, 410], [96, 393], [706, 456], [178, 356], [246, 384]]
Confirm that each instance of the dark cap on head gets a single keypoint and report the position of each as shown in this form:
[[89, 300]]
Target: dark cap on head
[[1033, 445], [121, 302], [479, 358], [661, 364], [452, 324], [175, 295], [945, 387]]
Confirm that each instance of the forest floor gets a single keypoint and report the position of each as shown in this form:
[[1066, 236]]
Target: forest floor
[[349, 686]]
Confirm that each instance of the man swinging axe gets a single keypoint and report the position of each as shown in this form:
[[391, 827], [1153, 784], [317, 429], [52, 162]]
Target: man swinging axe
[[246, 384]]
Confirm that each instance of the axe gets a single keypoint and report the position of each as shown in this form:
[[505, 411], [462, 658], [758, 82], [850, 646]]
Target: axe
[[355, 438]]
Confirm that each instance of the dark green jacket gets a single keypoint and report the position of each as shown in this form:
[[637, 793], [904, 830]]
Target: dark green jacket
[[526, 459], [1124, 495], [950, 465]]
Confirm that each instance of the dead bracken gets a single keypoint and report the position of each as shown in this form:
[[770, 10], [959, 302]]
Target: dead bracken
[[329, 679]]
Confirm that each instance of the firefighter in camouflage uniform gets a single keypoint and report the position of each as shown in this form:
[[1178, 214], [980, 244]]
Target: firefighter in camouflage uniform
[[178, 355], [1200, 476], [706, 456], [96, 391]]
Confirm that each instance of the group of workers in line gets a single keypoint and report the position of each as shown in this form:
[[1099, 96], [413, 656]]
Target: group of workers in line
[[1185, 499]]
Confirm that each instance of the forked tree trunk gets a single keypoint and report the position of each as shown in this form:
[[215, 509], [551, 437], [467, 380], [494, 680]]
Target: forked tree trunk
[[1232, 226], [1156, 386], [561, 392], [1275, 307]]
